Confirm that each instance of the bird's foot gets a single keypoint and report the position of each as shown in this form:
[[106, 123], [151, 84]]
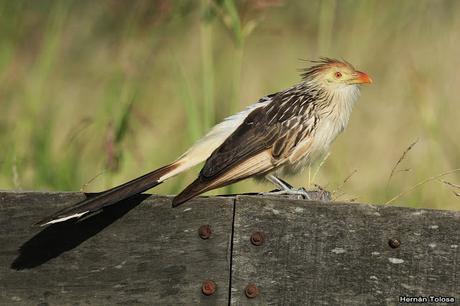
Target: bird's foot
[[301, 193], [284, 188]]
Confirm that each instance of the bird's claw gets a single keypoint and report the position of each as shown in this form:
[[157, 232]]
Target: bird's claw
[[301, 193]]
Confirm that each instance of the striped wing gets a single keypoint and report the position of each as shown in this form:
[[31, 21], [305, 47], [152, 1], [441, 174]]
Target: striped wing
[[278, 127], [264, 140]]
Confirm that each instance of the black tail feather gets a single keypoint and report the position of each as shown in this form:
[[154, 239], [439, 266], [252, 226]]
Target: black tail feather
[[191, 191], [199, 186], [110, 196]]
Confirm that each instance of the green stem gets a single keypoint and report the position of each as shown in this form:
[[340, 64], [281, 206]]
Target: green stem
[[207, 71], [325, 25], [194, 126]]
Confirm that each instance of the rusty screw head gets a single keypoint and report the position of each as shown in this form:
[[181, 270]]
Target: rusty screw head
[[208, 287], [251, 291], [394, 243], [205, 231], [257, 238]]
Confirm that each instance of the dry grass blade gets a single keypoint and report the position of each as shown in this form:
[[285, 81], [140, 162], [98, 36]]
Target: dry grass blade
[[337, 193], [345, 180], [401, 159], [349, 176], [83, 187], [338, 196], [404, 170], [432, 178], [317, 170], [313, 178], [455, 186], [451, 184]]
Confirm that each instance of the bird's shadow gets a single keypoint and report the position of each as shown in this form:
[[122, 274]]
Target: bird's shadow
[[58, 238]]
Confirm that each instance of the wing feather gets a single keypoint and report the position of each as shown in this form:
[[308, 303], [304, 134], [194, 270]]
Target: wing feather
[[263, 141], [259, 163]]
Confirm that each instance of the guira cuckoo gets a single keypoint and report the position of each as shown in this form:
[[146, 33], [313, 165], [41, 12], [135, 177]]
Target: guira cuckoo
[[278, 135]]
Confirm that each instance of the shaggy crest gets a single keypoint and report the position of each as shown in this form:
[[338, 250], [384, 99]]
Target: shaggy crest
[[322, 64]]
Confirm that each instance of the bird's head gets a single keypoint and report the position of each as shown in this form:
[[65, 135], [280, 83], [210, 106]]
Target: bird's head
[[335, 74]]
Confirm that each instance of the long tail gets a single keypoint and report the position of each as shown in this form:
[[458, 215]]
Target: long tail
[[199, 152], [113, 195]]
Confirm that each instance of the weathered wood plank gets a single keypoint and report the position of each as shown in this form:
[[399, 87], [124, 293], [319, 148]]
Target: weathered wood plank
[[151, 256], [338, 254], [314, 254]]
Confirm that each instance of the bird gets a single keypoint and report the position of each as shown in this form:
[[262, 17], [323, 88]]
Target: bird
[[279, 135]]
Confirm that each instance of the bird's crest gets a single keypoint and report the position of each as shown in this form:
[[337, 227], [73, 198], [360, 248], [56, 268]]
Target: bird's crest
[[321, 64]]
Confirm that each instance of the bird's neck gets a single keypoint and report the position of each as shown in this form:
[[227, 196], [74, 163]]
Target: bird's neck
[[341, 105]]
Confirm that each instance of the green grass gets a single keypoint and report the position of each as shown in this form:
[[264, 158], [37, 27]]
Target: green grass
[[95, 93]]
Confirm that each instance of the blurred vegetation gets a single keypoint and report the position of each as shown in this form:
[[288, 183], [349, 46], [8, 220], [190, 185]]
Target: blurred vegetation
[[93, 93]]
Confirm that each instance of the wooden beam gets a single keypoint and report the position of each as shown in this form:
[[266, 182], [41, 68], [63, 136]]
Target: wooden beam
[[339, 254], [151, 255], [142, 251]]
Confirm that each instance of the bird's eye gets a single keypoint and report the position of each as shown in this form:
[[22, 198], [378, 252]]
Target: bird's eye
[[338, 74]]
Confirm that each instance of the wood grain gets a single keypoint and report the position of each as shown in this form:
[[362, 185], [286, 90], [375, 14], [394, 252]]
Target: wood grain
[[143, 252], [338, 254], [151, 255]]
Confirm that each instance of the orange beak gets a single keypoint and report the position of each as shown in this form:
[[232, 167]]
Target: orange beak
[[361, 78]]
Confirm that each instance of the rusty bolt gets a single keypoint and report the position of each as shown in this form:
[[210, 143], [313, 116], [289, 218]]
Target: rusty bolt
[[208, 287], [205, 231], [394, 243], [257, 238], [251, 291]]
